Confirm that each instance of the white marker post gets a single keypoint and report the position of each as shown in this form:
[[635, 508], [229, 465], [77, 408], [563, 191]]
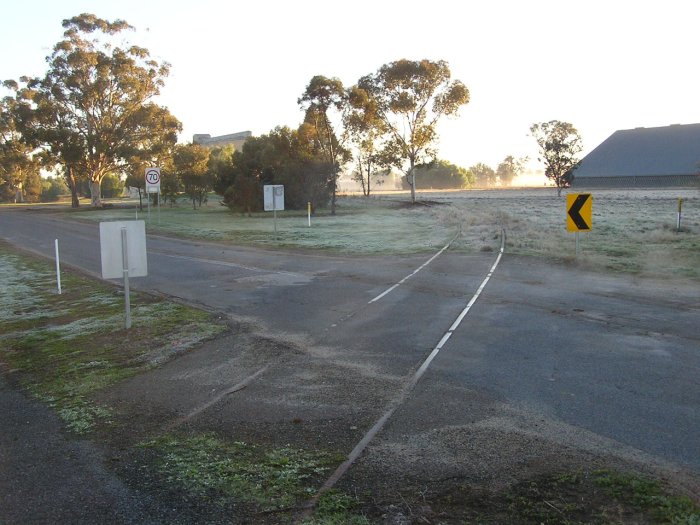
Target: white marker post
[[58, 268], [308, 209], [680, 206]]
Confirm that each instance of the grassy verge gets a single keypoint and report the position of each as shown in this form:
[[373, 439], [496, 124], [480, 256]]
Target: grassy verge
[[571, 498], [266, 482], [62, 348]]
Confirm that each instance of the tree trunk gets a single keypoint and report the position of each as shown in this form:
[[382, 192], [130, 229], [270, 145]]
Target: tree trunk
[[365, 191], [72, 186], [335, 189], [369, 175], [95, 198], [413, 184]]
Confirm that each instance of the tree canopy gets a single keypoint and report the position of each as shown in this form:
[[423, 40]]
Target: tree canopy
[[560, 145], [484, 175], [19, 170], [411, 97], [93, 112], [284, 156], [443, 175], [322, 96], [510, 168]]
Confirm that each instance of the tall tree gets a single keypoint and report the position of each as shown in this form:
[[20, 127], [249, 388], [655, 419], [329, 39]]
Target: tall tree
[[322, 97], [411, 97], [19, 170], [484, 175], [560, 145], [191, 163], [222, 168], [94, 107], [363, 130], [510, 168]]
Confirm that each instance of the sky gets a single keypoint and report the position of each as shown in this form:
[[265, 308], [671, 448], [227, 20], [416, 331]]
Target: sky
[[601, 65]]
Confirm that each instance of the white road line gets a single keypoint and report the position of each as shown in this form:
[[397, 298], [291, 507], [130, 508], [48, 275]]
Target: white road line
[[426, 263], [222, 263], [401, 397]]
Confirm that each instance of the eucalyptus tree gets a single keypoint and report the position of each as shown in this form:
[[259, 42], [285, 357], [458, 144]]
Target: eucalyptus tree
[[93, 111], [510, 168], [19, 170], [324, 100], [411, 97], [443, 175], [191, 164], [484, 175], [560, 144], [363, 130]]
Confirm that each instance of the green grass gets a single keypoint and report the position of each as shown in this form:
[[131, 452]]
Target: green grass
[[208, 467], [601, 497], [63, 348], [647, 494]]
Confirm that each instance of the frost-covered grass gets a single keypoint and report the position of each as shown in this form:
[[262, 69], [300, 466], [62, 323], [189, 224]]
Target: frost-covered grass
[[360, 226], [633, 230], [207, 466], [62, 348]]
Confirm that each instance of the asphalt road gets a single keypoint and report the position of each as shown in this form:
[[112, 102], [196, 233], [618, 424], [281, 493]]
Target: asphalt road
[[613, 357]]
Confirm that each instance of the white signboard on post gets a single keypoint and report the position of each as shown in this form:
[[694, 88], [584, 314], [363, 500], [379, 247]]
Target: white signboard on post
[[112, 251], [123, 253], [152, 180], [273, 197]]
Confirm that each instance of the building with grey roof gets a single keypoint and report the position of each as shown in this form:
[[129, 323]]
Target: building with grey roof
[[643, 157]]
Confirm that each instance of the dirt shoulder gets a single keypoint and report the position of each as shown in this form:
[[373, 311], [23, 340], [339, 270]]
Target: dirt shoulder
[[508, 467]]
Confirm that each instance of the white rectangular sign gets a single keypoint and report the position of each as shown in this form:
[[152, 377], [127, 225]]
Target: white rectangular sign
[[152, 180], [111, 249], [273, 197]]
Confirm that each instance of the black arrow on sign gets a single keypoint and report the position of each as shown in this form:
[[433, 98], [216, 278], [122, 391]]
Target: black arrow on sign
[[574, 211]]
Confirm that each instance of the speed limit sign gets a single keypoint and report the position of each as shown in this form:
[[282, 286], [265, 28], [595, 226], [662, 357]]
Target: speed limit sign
[[152, 180]]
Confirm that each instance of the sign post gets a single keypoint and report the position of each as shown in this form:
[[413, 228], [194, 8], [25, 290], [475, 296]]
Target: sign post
[[273, 200], [125, 272], [153, 186], [58, 268], [579, 208]]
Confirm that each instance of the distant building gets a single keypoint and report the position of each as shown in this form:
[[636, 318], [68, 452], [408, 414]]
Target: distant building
[[234, 139], [644, 157]]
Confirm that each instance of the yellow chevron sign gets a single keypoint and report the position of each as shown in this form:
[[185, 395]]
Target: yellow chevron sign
[[579, 211]]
